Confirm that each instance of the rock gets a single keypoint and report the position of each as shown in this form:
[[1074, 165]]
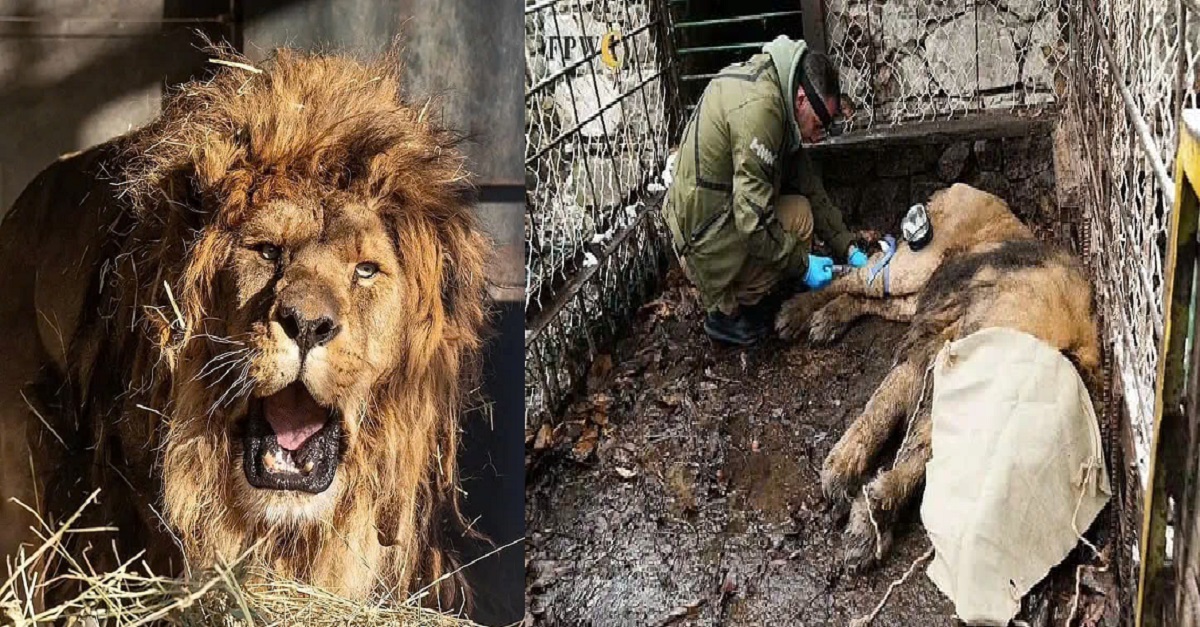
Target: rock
[[912, 75], [905, 23], [883, 198], [922, 188], [1024, 9], [944, 53], [1047, 49], [991, 182], [1070, 171], [997, 52], [953, 161], [901, 162], [846, 166], [846, 198], [1024, 157], [987, 155]]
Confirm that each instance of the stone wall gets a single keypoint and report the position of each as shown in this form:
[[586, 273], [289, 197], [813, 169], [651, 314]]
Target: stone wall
[[905, 59], [874, 183]]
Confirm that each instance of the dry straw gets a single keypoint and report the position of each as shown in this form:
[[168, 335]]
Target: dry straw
[[131, 596]]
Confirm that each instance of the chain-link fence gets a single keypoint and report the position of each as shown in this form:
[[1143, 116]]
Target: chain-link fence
[[596, 129], [1133, 67], [912, 60], [600, 104]]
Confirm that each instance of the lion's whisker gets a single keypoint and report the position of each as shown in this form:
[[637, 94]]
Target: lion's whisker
[[230, 394], [224, 368], [213, 364]]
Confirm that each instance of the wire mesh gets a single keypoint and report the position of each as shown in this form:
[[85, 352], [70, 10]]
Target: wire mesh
[[596, 131], [1130, 204], [913, 60]]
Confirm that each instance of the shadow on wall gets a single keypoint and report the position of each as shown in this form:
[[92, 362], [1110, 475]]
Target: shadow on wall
[[74, 73]]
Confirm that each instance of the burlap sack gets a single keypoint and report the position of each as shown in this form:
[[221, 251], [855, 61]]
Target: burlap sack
[[1017, 470]]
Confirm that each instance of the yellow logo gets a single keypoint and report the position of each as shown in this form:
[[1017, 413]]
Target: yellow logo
[[608, 42]]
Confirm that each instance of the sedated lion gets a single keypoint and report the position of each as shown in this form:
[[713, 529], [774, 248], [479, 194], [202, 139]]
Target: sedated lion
[[983, 268], [248, 324]]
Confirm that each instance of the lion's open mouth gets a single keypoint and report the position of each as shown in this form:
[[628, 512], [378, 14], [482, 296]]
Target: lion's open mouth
[[291, 442]]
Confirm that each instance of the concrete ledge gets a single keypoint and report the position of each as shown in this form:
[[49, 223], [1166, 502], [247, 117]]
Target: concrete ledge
[[979, 126]]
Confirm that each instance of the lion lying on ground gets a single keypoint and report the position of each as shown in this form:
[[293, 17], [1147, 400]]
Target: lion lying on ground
[[982, 269], [247, 324]]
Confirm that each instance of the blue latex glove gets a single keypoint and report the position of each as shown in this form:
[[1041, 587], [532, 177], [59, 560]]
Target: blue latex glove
[[820, 272], [856, 257]]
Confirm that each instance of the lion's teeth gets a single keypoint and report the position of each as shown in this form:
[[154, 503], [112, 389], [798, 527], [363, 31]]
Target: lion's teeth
[[281, 460], [308, 467]]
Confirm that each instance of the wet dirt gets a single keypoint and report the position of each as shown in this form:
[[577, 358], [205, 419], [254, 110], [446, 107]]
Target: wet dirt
[[719, 520], [700, 502], [683, 490]]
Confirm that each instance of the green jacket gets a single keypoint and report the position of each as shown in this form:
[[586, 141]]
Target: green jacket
[[740, 148]]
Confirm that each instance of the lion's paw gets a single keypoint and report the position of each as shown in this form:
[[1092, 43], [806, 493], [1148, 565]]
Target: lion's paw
[[865, 542], [840, 472], [825, 326], [792, 321]]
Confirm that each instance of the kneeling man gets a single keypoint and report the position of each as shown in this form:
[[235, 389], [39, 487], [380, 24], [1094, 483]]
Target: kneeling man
[[745, 199]]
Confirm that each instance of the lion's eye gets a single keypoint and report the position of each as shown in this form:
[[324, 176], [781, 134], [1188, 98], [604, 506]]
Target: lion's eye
[[270, 252], [366, 270]]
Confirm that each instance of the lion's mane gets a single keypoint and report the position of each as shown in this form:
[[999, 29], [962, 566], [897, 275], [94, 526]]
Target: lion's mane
[[186, 181]]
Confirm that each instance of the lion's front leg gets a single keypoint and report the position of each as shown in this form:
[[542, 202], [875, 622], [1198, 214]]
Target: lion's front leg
[[850, 458], [832, 320], [906, 273], [29, 453], [793, 319]]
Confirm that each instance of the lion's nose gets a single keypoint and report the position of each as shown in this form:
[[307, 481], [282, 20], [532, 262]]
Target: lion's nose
[[308, 332]]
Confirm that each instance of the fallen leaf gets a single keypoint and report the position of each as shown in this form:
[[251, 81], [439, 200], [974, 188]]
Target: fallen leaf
[[586, 444], [729, 586], [671, 400], [601, 367], [626, 473], [545, 437], [682, 611], [600, 405]]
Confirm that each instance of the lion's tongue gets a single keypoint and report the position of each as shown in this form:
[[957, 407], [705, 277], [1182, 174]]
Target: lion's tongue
[[294, 416]]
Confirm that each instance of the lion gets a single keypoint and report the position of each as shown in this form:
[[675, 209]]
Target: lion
[[251, 325], [983, 268]]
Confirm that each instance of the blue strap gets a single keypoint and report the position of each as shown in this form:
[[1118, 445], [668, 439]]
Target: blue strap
[[882, 266]]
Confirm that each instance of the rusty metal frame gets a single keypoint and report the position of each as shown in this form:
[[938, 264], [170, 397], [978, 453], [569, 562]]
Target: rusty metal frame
[[1168, 452]]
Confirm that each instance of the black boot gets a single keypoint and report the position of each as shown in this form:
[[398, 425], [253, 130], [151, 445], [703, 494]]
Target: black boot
[[739, 329]]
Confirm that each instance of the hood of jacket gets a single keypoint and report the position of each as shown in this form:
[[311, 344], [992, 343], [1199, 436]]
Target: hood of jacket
[[785, 54]]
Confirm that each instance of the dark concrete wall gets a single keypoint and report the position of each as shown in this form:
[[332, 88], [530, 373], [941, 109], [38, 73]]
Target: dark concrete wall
[[874, 183], [75, 73]]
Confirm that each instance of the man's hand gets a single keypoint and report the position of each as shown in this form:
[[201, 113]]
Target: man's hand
[[866, 238], [820, 272], [855, 257]]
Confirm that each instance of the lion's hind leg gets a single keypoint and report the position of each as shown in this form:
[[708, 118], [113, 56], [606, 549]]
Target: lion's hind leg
[[848, 462], [868, 534]]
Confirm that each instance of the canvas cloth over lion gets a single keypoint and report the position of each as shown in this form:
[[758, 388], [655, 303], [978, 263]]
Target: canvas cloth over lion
[[1017, 472]]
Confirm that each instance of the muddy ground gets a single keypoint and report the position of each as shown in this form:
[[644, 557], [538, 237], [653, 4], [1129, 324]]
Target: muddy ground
[[683, 490]]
